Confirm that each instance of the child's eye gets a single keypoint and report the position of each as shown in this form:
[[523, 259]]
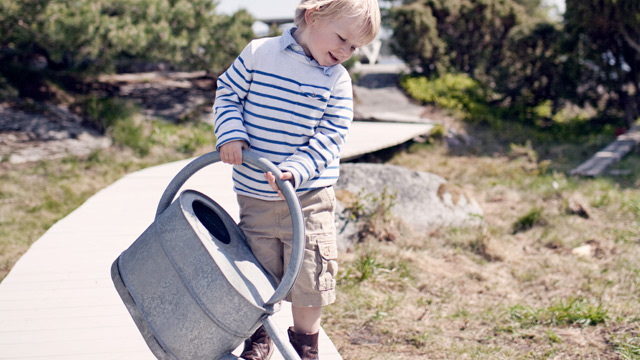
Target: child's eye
[[341, 38]]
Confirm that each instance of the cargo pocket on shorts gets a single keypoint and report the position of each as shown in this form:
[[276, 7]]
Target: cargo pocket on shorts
[[328, 253]]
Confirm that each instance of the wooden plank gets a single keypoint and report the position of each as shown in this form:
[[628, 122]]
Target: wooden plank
[[611, 154], [367, 137]]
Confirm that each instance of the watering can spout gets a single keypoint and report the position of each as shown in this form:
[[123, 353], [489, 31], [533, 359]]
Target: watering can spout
[[190, 281]]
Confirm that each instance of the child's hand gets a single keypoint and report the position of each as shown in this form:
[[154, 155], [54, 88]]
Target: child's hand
[[231, 152], [272, 180]]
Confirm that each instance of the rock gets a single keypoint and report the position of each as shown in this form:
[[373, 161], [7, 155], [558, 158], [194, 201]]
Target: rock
[[590, 249], [456, 139], [585, 251], [26, 137], [419, 199]]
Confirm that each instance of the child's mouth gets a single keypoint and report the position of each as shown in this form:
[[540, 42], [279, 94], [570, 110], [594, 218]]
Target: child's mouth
[[335, 59]]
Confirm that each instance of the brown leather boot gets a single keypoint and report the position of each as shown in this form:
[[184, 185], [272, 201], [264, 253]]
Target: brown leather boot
[[258, 347], [306, 345]]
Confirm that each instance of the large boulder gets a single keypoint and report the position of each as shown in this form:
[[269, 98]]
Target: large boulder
[[419, 199]]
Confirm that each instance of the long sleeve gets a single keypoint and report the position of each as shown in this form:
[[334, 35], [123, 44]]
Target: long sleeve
[[233, 87]]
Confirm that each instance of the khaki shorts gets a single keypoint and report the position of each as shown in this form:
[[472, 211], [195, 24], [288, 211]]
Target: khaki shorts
[[267, 227]]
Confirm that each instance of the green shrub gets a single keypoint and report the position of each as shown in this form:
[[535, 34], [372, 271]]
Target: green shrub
[[458, 93], [450, 91], [95, 36], [467, 98], [103, 113]]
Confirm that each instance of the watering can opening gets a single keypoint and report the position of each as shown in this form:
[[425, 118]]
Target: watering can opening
[[211, 222]]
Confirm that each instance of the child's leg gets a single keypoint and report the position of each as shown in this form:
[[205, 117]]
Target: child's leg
[[266, 221], [306, 320], [304, 334], [315, 286]]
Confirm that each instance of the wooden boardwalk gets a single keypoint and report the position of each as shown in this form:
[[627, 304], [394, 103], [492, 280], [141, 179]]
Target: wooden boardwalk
[[611, 154], [58, 301]]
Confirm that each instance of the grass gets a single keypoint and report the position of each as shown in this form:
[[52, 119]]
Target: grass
[[57, 187], [627, 346], [485, 292], [512, 288], [532, 218]]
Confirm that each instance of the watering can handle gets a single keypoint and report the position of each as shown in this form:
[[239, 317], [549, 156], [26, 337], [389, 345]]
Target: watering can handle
[[297, 251]]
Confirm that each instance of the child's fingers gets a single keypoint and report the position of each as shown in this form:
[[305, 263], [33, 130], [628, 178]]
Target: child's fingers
[[226, 157], [231, 153], [272, 181], [237, 157], [286, 176]]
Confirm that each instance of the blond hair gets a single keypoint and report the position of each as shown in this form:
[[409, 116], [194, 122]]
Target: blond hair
[[366, 14]]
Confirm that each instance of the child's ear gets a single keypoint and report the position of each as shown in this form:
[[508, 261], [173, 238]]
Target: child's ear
[[309, 16]]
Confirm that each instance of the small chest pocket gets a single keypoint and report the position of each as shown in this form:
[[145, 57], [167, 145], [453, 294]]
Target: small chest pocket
[[311, 103]]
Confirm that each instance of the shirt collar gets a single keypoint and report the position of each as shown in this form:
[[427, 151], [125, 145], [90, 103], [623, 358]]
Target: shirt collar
[[287, 42]]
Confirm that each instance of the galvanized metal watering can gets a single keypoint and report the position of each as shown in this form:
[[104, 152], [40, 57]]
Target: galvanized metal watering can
[[191, 283]]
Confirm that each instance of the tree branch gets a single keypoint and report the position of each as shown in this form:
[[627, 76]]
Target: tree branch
[[634, 44]]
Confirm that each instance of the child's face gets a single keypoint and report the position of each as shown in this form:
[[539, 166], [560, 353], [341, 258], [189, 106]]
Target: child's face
[[332, 42]]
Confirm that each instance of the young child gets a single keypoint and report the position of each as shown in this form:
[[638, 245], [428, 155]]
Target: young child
[[289, 100]]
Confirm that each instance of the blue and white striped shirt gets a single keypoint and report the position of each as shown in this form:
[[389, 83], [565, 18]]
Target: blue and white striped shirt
[[289, 109]]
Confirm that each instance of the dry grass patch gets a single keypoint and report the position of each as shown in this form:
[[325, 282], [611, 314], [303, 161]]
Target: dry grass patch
[[541, 279]]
